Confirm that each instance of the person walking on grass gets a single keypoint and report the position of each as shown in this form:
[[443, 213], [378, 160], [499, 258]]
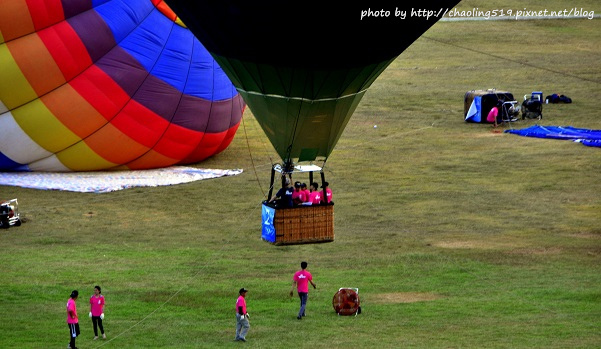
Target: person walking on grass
[[242, 323], [97, 312], [301, 280], [72, 320]]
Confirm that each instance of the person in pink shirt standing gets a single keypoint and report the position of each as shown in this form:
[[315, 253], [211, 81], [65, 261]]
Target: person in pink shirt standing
[[72, 320], [315, 196], [242, 323], [97, 312], [305, 190], [298, 196], [301, 280], [328, 192]]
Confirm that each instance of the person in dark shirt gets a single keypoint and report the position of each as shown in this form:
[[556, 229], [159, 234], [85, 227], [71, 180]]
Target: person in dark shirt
[[284, 195]]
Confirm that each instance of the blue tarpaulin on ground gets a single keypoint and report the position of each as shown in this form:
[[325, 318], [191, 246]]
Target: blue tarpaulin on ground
[[591, 138]]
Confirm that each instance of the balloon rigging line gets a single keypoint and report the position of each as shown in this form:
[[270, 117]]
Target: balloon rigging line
[[252, 158], [267, 150], [252, 161], [201, 268], [530, 65], [146, 317], [185, 284], [288, 159], [387, 137], [289, 149]]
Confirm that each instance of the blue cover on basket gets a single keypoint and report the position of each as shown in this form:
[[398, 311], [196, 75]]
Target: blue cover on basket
[[268, 230], [474, 114], [591, 138]]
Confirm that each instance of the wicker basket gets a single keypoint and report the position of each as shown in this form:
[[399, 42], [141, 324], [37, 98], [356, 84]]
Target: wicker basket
[[304, 224]]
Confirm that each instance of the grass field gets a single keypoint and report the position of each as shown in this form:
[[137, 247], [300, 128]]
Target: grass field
[[457, 236]]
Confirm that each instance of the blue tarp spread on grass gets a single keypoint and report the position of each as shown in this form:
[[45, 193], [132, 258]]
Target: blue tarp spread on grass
[[591, 138]]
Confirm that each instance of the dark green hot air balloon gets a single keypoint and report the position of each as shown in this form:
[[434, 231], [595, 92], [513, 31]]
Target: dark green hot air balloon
[[303, 67]]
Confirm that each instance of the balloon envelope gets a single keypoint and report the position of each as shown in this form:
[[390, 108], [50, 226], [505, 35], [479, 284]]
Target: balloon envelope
[[108, 84], [303, 68]]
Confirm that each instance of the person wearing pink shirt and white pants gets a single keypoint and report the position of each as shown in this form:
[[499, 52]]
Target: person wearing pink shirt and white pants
[[242, 323]]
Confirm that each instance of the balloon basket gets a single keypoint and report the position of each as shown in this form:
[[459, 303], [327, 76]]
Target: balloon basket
[[302, 225]]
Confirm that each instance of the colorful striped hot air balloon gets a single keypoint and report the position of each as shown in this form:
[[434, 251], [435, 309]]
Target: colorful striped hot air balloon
[[106, 84]]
